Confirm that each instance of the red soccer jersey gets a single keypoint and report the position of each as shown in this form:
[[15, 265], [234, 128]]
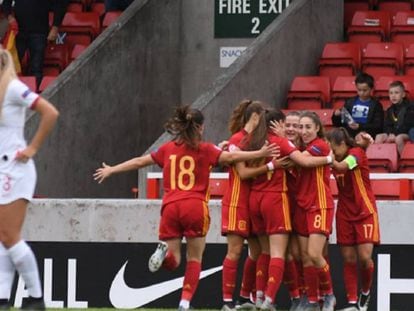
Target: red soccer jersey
[[238, 191], [355, 197], [275, 181], [314, 191], [186, 171]]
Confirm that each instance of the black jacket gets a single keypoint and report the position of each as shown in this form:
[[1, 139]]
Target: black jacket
[[375, 119], [397, 119], [33, 15]]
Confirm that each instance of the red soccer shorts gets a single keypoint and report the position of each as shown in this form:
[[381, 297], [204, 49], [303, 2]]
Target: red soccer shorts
[[189, 218], [269, 213], [357, 232], [307, 222], [235, 220]]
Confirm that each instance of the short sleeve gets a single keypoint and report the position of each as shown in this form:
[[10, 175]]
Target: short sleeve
[[354, 157], [158, 155], [318, 148], [20, 94], [286, 147], [214, 153]]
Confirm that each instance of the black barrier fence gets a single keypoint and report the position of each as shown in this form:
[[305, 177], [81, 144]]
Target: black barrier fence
[[81, 275]]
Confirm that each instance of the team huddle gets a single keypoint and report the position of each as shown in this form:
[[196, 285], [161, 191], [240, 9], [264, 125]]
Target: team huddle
[[279, 200]]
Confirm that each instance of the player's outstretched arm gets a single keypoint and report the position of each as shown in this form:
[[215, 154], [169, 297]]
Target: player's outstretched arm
[[106, 170]]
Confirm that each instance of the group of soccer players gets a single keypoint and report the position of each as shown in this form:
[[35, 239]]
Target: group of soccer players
[[279, 200]]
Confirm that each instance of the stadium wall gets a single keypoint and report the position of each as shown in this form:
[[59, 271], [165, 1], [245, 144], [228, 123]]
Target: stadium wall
[[94, 253], [108, 99]]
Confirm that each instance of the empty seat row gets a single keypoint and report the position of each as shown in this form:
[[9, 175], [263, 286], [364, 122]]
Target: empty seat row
[[315, 92], [59, 56], [378, 59], [390, 6], [30, 81], [377, 26]]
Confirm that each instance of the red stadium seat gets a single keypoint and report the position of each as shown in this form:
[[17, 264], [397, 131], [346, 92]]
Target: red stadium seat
[[45, 82], [310, 92], [99, 8], [402, 28], [382, 86], [369, 26], [409, 60], [57, 56], [110, 17], [77, 50], [343, 88], [340, 59], [80, 28], [75, 7], [406, 163], [383, 59], [351, 6], [30, 81], [394, 6], [386, 189], [382, 158]]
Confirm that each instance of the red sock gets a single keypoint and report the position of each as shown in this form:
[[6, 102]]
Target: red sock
[[351, 281], [276, 267], [300, 280], [169, 262], [290, 279], [366, 277], [325, 281], [249, 277], [310, 276], [191, 277], [262, 272], [322, 291], [229, 278]]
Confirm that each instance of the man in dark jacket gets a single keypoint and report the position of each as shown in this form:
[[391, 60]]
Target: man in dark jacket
[[32, 17], [362, 113]]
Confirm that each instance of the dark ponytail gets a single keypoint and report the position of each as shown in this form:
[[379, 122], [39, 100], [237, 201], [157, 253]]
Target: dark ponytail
[[339, 135], [185, 125]]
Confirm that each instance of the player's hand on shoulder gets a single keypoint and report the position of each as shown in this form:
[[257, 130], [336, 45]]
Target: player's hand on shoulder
[[102, 173], [270, 150]]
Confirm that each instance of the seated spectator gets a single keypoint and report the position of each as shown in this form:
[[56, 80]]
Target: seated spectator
[[362, 113], [32, 17], [117, 5], [397, 122]]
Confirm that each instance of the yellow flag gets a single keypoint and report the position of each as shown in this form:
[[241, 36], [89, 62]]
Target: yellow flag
[[10, 44]]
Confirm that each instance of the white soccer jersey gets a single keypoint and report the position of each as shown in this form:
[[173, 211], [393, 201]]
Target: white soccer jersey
[[17, 179]]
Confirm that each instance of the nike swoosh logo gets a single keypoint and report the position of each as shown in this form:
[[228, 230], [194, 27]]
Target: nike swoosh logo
[[124, 297]]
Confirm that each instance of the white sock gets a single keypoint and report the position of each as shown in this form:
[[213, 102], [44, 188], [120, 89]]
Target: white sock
[[7, 272], [25, 263], [184, 303]]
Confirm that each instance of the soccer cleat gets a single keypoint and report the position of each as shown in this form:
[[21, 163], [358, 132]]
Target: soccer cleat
[[350, 307], [310, 306], [5, 304], [329, 303], [259, 302], [363, 301], [31, 303], [245, 304], [228, 306], [295, 305], [156, 259], [267, 306]]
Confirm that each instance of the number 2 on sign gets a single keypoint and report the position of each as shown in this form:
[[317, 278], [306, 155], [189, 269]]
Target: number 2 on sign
[[186, 166], [256, 24]]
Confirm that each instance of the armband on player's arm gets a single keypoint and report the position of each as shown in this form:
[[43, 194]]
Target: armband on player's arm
[[351, 162]]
